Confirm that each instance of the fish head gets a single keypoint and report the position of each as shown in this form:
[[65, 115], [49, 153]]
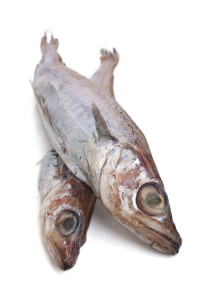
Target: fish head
[[136, 198], [65, 217]]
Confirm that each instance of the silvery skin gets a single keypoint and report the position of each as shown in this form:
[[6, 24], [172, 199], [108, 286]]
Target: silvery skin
[[104, 148]]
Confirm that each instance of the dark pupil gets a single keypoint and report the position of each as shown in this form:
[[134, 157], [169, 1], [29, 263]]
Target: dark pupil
[[68, 224], [153, 200]]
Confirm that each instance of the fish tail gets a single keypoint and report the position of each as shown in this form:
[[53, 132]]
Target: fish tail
[[113, 56], [104, 77], [44, 41], [49, 49]]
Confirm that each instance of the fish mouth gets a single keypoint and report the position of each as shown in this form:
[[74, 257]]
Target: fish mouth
[[164, 243], [167, 241], [159, 240], [64, 259]]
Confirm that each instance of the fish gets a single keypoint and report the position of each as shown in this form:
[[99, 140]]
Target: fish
[[103, 147], [64, 249], [67, 206]]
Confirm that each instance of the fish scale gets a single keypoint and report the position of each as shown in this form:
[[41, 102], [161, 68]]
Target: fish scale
[[67, 83]]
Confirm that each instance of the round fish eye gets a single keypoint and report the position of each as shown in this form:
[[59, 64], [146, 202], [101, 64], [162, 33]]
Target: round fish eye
[[68, 222], [152, 199]]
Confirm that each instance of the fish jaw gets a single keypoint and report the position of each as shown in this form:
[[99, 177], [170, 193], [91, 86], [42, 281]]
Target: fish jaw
[[65, 257], [123, 175], [159, 233], [79, 199]]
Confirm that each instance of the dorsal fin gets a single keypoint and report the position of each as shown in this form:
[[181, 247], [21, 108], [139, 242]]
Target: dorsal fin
[[100, 123]]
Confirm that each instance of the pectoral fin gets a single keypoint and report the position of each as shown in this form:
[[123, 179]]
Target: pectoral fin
[[101, 125]]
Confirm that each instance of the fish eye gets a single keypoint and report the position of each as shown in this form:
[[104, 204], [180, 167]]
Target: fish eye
[[152, 199], [68, 222]]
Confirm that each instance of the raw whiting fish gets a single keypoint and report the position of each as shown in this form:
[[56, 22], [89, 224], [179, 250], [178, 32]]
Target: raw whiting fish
[[65, 212], [64, 249], [104, 148]]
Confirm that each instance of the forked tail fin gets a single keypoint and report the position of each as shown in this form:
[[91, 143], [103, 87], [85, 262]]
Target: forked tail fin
[[49, 50]]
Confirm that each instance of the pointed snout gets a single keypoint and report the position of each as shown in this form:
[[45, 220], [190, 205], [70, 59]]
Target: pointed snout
[[64, 256], [166, 244], [67, 257], [163, 237]]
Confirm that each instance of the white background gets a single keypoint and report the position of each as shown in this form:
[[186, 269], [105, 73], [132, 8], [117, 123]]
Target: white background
[[157, 83]]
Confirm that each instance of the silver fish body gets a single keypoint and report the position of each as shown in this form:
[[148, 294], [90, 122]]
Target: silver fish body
[[100, 143], [83, 123], [65, 213]]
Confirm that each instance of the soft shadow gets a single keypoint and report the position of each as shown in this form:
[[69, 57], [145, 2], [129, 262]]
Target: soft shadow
[[43, 143]]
